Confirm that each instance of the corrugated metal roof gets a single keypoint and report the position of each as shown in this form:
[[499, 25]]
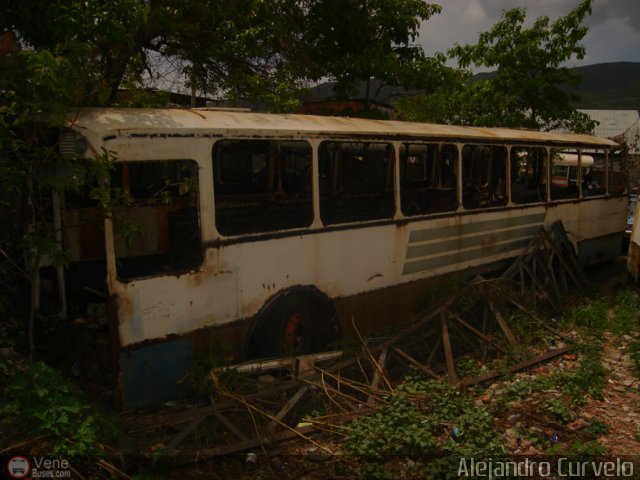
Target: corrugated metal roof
[[612, 122], [616, 123], [102, 123]]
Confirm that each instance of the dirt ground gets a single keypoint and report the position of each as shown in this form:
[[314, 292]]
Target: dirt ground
[[620, 406]]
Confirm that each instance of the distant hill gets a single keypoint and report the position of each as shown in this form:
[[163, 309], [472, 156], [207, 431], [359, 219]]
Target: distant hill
[[605, 86], [610, 86]]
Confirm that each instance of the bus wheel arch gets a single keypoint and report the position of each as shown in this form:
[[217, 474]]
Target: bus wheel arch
[[298, 320]]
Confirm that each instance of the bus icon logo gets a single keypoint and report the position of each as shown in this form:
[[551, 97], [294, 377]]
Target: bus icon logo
[[18, 467]]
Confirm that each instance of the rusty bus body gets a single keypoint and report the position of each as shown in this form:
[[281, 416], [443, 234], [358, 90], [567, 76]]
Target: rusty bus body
[[272, 231]]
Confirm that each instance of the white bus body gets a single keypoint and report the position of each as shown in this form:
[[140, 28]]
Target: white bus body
[[372, 270]]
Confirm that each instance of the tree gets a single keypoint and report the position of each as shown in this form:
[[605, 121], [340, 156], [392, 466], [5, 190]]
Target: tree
[[376, 42], [531, 86], [246, 49], [37, 88], [81, 53]]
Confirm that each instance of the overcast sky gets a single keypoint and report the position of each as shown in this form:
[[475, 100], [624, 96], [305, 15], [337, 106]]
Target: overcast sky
[[614, 33]]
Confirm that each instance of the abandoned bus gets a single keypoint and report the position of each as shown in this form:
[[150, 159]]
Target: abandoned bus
[[266, 234], [565, 170]]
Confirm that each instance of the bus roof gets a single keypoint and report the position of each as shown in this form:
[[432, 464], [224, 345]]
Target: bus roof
[[105, 123]]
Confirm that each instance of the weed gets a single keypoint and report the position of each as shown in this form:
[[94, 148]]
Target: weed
[[558, 410], [39, 401], [579, 449], [422, 419], [199, 374], [524, 326], [634, 353], [468, 368], [521, 389], [627, 312], [348, 346], [592, 315], [596, 428], [518, 352], [397, 428], [588, 380]]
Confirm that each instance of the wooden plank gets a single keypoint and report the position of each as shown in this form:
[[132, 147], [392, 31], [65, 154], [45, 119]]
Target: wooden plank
[[448, 353], [377, 376], [276, 437], [287, 407], [184, 433], [421, 320], [235, 430], [435, 350], [415, 363], [572, 267], [185, 416], [518, 366], [477, 332], [503, 324]]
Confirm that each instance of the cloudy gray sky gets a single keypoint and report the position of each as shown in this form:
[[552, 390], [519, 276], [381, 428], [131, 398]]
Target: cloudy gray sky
[[614, 33]]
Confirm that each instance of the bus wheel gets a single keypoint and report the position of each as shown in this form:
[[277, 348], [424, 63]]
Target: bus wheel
[[298, 321]]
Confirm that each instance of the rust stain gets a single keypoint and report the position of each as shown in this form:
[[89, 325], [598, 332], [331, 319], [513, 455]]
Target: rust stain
[[196, 279], [126, 308], [202, 122]]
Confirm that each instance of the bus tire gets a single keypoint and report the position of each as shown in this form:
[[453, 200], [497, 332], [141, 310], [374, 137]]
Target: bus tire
[[300, 320]]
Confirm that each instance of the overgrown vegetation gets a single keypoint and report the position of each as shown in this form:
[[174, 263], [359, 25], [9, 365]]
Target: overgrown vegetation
[[40, 405], [424, 420], [426, 424]]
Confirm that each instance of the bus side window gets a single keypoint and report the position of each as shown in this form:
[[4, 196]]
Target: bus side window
[[156, 224], [617, 179], [427, 179], [528, 175], [484, 171], [564, 174], [356, 181], [262, 186]]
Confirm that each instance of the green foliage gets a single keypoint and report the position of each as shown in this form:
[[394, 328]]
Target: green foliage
[[199, 375], [578, 449], [37, 88], [468, 368], [376, 43], [557, 409], [587, 381], [424, 418], [530, 85], [248, 49], [39, 401], [633, 349], [596, 428], [627, 312], [592, 315], [397, 428]]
